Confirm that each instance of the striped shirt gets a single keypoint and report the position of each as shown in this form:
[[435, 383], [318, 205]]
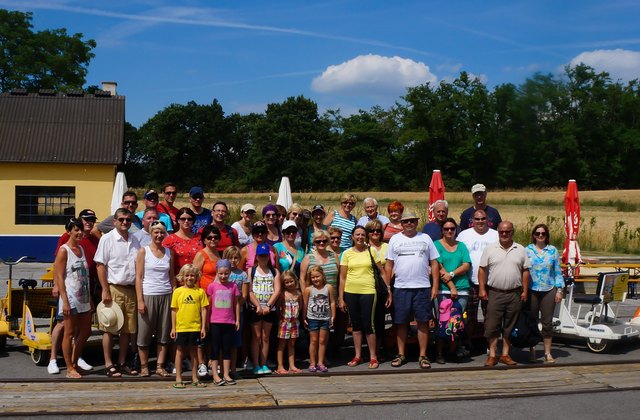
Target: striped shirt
[[346, 225]]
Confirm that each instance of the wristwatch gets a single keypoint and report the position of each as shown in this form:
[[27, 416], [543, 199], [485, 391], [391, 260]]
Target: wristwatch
[[451, 274]]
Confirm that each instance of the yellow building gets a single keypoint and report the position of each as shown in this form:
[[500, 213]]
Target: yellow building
[[58, 155]]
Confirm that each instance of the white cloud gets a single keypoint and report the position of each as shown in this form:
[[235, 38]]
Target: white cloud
[[620, 64], [373, 75]]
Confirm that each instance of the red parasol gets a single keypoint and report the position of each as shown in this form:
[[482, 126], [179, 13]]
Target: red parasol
[[571, 254], [436, 191]]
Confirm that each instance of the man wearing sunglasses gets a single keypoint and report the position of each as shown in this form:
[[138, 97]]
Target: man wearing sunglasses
[[129, 202], [151, 200], [476, 239], [203, 214], [504, 281], [166, 206], [413, 259], [115, 261]]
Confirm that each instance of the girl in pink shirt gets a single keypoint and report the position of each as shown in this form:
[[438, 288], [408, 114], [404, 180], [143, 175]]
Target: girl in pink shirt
[[224, 321]]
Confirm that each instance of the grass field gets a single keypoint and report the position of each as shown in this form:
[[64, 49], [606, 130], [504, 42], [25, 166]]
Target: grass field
[[611, 220]]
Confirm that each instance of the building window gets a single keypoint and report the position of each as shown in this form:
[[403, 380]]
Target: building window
[[44, 205]]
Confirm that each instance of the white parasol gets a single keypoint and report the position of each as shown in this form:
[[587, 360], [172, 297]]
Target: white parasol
[[284, 193], [119, 188]]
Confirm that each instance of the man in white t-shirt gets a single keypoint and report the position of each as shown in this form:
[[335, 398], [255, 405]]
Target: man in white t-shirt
[[476, 240], [412, 258]]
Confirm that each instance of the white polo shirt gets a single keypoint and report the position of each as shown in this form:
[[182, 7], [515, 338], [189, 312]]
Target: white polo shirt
[[505, 265], [119, 257]]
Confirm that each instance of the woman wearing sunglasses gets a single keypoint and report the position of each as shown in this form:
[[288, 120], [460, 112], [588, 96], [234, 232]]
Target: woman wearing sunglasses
[[454, 262], [205, 260], [290, 254], [546, 285], [375, 230], [184, 243], [343, 219], [270, 218]]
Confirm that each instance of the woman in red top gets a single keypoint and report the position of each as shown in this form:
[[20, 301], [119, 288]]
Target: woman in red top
[[184, 243], [207, 257], [395, 210]]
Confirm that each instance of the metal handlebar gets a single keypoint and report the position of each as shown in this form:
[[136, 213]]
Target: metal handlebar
[[11, 262]]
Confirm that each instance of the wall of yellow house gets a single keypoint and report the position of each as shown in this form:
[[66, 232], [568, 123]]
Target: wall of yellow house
[[93, 183]]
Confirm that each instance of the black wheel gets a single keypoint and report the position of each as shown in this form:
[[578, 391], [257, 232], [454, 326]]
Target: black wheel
[[40, 357], [602, 347]]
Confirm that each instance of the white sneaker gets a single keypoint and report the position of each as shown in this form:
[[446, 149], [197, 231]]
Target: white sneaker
[[202, 370], [53, 368], [84, 365]]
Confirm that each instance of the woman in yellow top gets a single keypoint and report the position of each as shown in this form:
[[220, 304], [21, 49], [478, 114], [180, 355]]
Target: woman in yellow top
[[358, 293]]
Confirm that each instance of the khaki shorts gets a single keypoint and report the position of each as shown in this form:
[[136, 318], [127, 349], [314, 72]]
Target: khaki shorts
[[125, 297]]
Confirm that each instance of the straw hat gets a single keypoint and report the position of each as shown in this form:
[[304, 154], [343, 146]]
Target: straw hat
[[110, 318]]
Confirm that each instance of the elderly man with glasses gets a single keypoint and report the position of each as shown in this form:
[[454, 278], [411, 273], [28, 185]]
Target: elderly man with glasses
[[504, 281], [115, 261], [371, 212]]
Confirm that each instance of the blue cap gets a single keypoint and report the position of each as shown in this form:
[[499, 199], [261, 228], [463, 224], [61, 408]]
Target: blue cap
[[195, 190], [262, 249]]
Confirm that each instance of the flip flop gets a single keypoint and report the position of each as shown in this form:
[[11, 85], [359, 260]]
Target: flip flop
[[295, 370], [73, 374], [281, 372], [198, 384], [179, 385]]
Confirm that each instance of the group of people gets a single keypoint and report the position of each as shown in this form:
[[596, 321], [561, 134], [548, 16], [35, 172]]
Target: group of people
[[203, 289]]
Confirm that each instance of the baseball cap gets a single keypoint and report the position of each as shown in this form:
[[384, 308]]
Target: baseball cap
[[151, 195], [88, 214], [262, 249], [317, 207], [289, 224], [196, 190], [478, 188], [247, 207]]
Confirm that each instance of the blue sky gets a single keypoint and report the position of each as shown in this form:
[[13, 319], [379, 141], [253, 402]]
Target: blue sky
[[345, 55]]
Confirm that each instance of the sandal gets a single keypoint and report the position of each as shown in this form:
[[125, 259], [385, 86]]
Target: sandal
[[373, 364], [162, 372], [354, 362], [144, 371], [73, 374], [126, 370], [199, 384], [179, 385], [112, 371], [295, 370], [423, 362], [398, 361], [281, 371]]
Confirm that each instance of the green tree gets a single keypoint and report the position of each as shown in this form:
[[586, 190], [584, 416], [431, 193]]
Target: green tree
[[48, 59], [189, 144], [290, 141]]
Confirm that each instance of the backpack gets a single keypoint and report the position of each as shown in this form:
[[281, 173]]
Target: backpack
[[525, 333], [450, 320]]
